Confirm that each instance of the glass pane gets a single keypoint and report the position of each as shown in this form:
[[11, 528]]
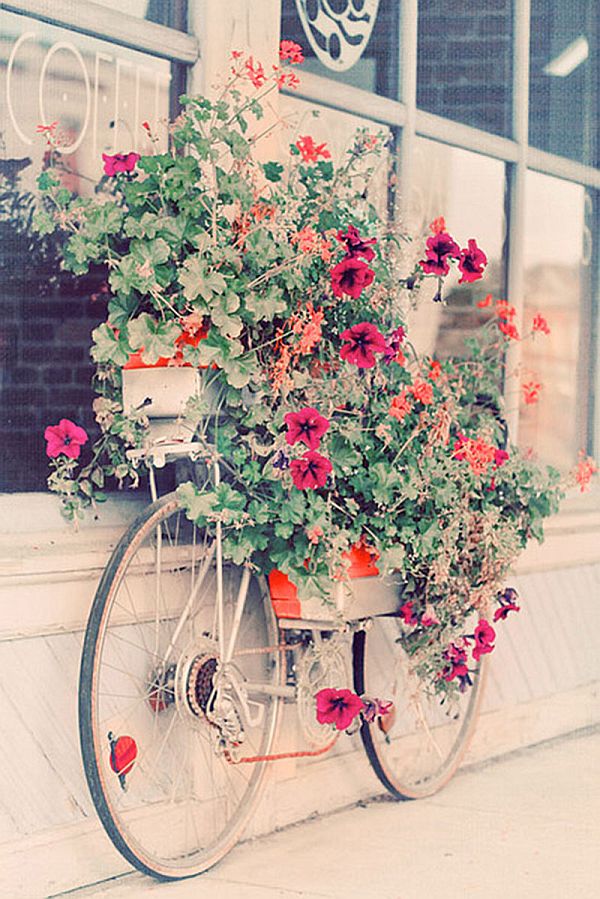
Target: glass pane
[[98, 94], [352, 41], [468, 190], [465, 62], [172, 13], [564, 77], [557, 263]]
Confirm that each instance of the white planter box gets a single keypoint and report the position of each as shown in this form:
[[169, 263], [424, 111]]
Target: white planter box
[[360, 597]]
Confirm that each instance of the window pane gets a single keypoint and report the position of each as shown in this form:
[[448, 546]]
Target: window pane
[[465, 62], [352, 41], [468, 190], [99, 94], [172, 13], [557, 255], [564, 74]]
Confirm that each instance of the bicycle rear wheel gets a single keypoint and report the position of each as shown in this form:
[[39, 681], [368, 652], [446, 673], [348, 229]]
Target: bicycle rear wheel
[[159, 713], [425, 741]]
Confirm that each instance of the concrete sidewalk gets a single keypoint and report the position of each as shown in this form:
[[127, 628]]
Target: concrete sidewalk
[[522, 827]]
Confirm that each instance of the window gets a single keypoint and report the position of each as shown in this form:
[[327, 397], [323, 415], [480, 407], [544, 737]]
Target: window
[[99, 93]]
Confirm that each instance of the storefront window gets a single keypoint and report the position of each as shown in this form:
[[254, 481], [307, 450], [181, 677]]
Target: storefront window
[[352, 41], [468, 190], [557, 258], [465, 62], [173, 14], [98, 94], [564, 75]]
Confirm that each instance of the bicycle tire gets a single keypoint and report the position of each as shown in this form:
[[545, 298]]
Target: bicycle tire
[[133, 824], [400, 757]]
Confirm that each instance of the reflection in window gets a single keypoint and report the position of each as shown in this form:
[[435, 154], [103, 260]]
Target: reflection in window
[[172, 13], [468, 190], [564, 73], [464, 61], [556, 271], [99, 94], [352, 41]]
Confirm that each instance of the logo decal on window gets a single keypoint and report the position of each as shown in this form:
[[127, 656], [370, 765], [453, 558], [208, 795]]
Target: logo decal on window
[[338, 30]]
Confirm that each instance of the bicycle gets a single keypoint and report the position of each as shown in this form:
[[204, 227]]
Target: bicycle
[[184, 669]]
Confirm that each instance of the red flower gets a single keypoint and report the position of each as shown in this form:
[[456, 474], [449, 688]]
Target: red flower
[[505, 310], [472, 262], [440, 249], [531, 392], [355, 244], [509, 330], [435, 370], [286, 79], [290, 51], [407, 613], [65, 438], [422, 391], [309, 151], [339, 707], [485, 302], [307, 425], [540, 324], [255, 72], [363, 340], [501, 613], [484, 639], [351, 276], [119, 162], [400, 406], [311, 471]]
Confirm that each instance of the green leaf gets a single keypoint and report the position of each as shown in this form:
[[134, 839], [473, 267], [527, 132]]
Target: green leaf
[[239, 372], [197, 281], [108, 347], [273, 171], [121, 309], [229, 325], [198, 506], [156, 338], [43, 223], [265, 305]]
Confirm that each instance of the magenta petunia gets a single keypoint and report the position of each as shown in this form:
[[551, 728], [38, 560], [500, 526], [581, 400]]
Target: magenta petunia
[[351, 276], [471, 263], [355, 244], [338, 707], [306, 426], [456, 666], [484, 639], [501, 613], [500, 457], [119, 162], [362, 341], [311, 471], [407, 613], [440, 248], [65, 438]]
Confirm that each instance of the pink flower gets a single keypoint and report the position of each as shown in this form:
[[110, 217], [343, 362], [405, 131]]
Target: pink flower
[[255, 72], [540, 324], [440, 248], [339, 707], [484, 639], [472, 262], [119, 162], [356, 245], [585, 470], [314, 534], [429, 618], [290, 51], [500, 457], [311, 471], [351, 276], [65, 438], [307, 425], [393, 350], [310, 151], [407, 613], [531, 392], [362, 341], [376, 708]]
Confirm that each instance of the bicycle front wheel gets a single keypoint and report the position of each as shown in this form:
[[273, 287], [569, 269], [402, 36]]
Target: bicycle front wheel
[[163, 720], [416, 751]]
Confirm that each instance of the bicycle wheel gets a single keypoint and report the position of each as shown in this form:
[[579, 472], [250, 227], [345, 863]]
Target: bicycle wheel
[[161, 717], [425, 741]]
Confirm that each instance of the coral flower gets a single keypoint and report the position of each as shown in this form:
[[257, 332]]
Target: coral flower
[[400, 406], [290, 51], [363, 340], [255, 72], [471, 263], [531, 392], [351, 276], [311, 471], [310, 151], [356, 245], [422, 391], [435, 369], [509, 330], [307, 425], [438, 225], [119, 162], [65, 438], [585, 470], [540, 324], [485, 302], [440, 248], [339, 707]]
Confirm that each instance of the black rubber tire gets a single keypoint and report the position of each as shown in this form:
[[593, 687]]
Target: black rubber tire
[[110, 580]]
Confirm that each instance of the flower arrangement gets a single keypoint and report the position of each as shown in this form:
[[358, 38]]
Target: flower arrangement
[[282, 284]]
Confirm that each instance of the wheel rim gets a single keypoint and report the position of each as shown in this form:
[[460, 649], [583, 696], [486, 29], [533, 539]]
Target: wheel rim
[[425, 740], [185, 803]]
